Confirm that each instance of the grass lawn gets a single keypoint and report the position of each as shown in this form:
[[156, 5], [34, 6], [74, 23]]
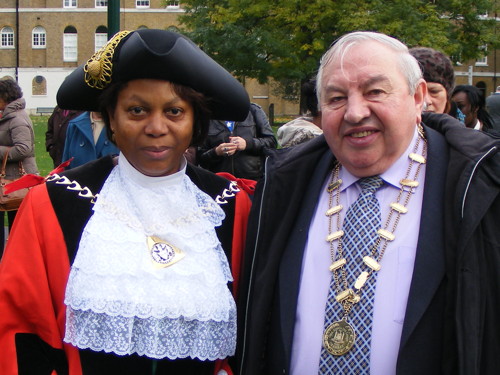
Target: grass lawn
[[43, 160]]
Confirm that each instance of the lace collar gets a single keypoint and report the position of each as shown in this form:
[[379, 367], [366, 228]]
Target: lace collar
[[117, 301]]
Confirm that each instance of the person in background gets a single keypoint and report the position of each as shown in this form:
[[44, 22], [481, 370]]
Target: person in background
[[56, 132], [17, 139], [305, 127], [470, 101], [238, 147], [123, 265], [373, 248], [86, 140], [493, 108], [437, 71], [457, 113]]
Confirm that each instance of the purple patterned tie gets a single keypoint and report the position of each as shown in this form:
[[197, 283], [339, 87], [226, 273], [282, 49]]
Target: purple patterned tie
[[360, 234]]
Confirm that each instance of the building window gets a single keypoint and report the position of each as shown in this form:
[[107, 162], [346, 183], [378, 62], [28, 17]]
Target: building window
[[7, 37], [39, 86], [69, 3], [142, 3], [101, 37], [482, 61], [70, 45], [172, 4], [101, 3], [39, 39]]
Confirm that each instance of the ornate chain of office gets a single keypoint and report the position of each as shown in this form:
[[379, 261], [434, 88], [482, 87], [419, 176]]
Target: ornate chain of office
[[339, 337]]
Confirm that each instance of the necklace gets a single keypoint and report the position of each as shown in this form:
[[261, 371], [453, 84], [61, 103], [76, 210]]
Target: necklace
[[339, 337]]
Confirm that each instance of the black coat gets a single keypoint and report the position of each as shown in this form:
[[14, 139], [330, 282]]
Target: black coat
[[257, 133], [458, 332]]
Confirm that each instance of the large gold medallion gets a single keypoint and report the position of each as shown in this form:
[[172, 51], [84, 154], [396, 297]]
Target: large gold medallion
[[339, 338]]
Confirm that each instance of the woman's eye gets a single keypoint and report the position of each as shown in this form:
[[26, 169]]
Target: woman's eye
[[174, 111], [136, 110]]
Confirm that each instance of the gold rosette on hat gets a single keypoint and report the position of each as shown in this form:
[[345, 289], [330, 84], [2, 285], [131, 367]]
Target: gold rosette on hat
[[99, 67]]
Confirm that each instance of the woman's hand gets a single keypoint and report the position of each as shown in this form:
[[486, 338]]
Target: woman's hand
[[240, 143], [226, 149]]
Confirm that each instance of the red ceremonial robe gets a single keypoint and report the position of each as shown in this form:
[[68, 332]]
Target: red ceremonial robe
[[36, 265]]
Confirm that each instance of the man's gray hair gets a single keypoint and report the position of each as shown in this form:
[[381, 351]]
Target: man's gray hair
[[408, 64]]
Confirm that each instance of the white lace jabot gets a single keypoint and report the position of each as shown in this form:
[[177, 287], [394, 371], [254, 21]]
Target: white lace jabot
[[117, 301]]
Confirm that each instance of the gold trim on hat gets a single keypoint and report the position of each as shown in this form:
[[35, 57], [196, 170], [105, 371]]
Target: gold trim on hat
[[99, 67]]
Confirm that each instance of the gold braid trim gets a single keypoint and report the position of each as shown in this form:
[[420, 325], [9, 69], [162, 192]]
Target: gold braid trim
[[99, 67]]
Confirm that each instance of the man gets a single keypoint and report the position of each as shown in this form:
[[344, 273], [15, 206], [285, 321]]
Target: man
[[305, 127], [55, 136], [429, 280], [493, 108]]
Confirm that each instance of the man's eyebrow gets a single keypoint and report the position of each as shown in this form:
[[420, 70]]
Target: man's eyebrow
[[381, 78], [331, 88]]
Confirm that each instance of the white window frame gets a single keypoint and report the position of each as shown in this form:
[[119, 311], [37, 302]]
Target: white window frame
[[101, 3], [482, 61], [100, 39], [142, 4], [7, 37], [173, 4], [70, 3], [70, 47], [39, 38]]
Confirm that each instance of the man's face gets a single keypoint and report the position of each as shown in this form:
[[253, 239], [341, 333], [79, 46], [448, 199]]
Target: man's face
[[368, 114]]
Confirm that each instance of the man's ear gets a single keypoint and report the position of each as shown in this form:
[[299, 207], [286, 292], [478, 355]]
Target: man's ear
[[420, 97]]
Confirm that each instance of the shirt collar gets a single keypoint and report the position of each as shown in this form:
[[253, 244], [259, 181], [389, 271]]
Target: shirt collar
[[148, 181]]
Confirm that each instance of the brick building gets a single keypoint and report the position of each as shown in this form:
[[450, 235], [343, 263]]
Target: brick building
[[483, 73], [42, 41]]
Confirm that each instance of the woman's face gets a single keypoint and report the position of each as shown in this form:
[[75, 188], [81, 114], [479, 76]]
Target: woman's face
[[436, 97], [3, 104], [152, 126], [462, 101]]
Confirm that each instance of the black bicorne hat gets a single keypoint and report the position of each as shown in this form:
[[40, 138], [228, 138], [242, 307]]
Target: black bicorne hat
[[157, 54]]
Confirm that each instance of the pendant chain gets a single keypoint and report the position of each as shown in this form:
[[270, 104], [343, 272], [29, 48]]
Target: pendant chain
[[346, 296]]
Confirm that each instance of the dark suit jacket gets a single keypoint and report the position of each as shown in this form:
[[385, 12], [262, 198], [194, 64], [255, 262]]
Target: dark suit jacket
[[266, 344]]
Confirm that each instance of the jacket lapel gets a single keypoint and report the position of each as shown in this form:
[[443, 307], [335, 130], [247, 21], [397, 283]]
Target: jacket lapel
[[429, 269], [291, 264]]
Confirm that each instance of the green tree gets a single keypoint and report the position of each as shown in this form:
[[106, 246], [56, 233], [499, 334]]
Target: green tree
[[284, 39]]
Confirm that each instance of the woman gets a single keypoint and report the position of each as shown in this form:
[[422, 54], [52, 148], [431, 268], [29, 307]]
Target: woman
[[147, 240], [471, 102], [16, 138], [86, 139], [438, 72]]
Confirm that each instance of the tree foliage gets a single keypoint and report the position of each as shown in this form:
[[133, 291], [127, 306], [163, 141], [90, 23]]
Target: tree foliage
[[284, 39]]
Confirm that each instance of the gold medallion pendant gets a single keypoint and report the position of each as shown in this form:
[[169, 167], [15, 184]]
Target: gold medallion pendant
[[339, 338], [162, 253]]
